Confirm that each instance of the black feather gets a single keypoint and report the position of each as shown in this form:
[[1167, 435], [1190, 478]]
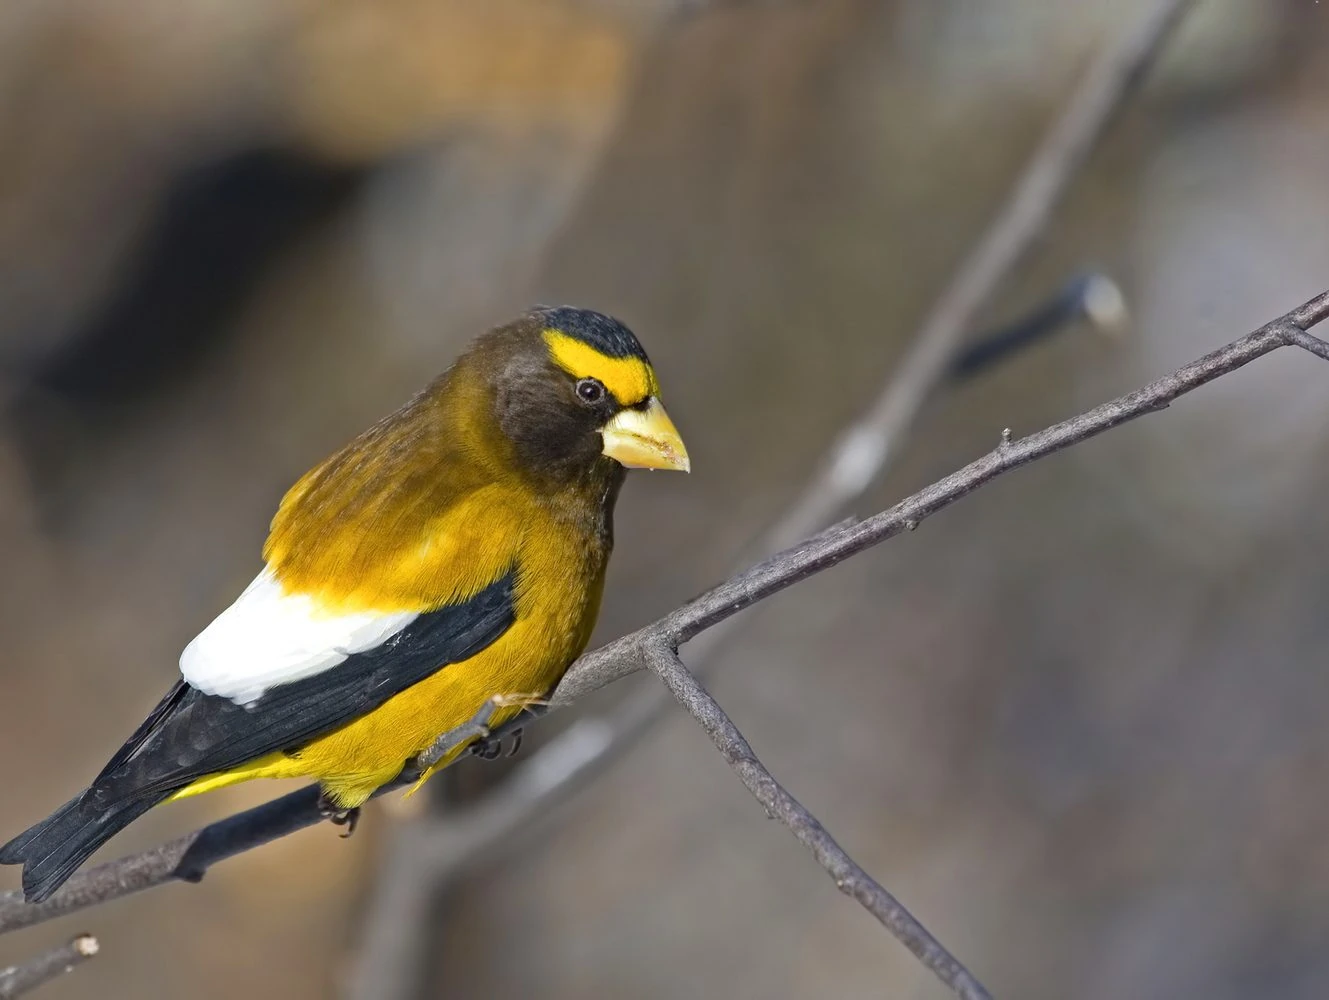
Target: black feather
[[54, 849], [605, 333], [198, 734]]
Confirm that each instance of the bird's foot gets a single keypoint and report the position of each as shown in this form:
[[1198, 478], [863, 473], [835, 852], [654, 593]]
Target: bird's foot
[[337, 816], [490, 746]]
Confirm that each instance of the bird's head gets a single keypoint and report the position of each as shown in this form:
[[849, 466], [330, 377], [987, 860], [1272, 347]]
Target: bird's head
[[571, 386]]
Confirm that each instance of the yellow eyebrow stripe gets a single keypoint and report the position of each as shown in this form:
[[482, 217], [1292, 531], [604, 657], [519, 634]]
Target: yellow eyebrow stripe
[[631, 380]]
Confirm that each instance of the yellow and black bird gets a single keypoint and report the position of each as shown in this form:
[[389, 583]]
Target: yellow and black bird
[[453, 552]]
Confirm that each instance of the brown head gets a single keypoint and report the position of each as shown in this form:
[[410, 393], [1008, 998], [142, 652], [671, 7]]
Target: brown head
[[573, 393]]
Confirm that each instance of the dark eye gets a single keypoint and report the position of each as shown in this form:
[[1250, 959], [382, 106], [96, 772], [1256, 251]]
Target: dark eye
[[590, 391]]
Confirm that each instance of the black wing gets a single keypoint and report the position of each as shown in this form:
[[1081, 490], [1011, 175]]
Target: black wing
[[190, 734]]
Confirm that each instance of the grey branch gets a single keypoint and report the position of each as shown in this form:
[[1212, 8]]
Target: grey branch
[[189, 857], [849, 878], [17, 980], [860, 456]]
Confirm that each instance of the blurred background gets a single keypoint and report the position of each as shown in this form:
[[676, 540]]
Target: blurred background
[[1075, 722]]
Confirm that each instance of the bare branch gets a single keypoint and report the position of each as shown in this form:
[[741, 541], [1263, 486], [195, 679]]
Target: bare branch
[[17, 980], [849, 878], [188, 857]]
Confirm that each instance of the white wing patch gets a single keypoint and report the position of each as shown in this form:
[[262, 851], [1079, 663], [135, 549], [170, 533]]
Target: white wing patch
[[268, 637]]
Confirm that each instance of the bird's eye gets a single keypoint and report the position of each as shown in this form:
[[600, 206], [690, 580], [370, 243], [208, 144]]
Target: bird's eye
[[590, 391]]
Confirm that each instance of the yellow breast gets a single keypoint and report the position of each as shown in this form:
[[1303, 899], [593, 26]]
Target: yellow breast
[[559, 583]]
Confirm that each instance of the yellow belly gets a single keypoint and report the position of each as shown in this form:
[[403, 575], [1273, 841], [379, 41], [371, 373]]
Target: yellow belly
[[353, 761]]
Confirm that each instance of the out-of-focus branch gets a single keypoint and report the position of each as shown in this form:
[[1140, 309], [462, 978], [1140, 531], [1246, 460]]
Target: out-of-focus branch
[[17, 980], [188, 857], [850, 879], [1094, 297]]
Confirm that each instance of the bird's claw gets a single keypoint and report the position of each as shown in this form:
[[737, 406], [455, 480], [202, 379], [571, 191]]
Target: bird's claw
[[337, 816], [490, 747]]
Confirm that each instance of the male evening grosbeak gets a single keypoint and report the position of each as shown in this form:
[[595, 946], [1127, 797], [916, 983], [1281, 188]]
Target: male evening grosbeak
[[453, 552]]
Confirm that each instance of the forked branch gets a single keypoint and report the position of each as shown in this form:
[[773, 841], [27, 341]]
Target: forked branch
[[850, 879]]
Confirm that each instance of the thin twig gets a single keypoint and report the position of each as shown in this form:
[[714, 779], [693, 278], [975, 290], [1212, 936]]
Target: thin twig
[[17, 980], [184, 858], [860, 456], [849, 878]]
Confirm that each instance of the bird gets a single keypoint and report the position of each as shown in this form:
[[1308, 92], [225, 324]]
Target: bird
[[453, 553]]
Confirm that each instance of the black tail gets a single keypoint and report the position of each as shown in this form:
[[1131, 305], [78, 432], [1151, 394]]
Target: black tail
[[53, 849]]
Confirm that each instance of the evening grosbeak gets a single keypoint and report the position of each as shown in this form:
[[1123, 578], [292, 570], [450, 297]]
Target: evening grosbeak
[[453, 552]]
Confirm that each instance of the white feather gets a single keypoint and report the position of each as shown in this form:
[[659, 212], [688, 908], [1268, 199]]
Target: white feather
[[268, 637]]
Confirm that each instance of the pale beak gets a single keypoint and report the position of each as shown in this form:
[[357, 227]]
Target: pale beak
[[645, 439]]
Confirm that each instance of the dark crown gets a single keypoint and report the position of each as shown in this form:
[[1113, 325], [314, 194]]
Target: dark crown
[[606, 334]]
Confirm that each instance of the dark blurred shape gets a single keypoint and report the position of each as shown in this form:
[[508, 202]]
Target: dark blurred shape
[[1093, 297], [221, 227]]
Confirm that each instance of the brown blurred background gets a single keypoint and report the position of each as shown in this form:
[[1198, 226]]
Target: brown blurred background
[[1076, 723]]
